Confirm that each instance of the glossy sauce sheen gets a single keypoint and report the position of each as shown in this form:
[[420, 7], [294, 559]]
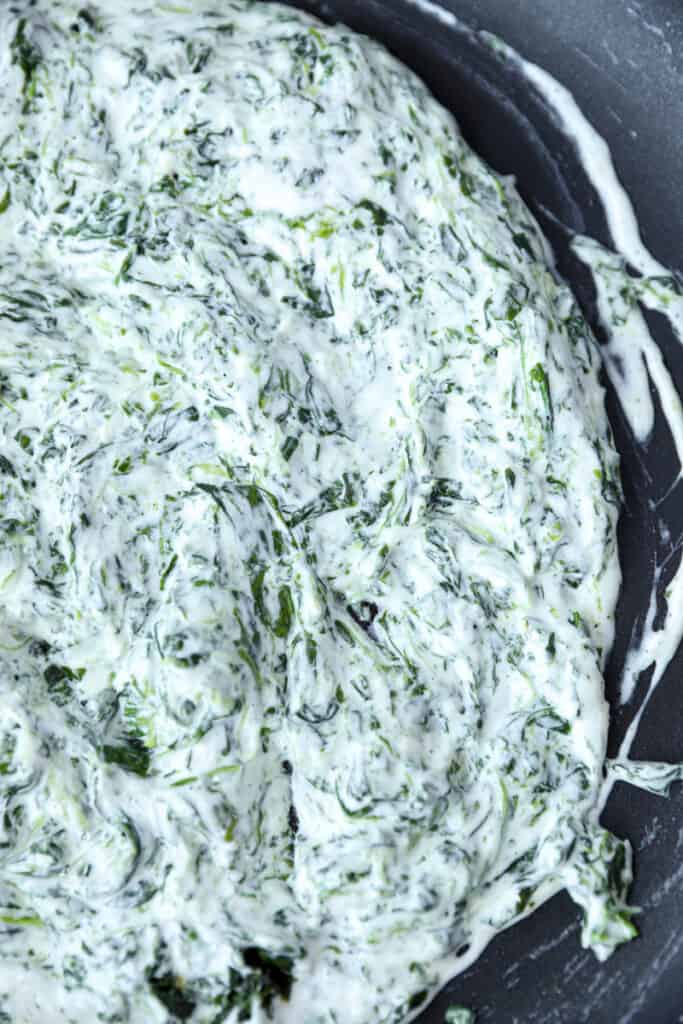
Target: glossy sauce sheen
[[309, 504]]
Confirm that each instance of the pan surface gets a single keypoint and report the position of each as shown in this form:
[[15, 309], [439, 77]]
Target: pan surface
[[624, 64]]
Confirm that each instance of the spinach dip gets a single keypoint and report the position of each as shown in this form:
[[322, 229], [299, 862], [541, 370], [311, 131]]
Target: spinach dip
[[308, 511]]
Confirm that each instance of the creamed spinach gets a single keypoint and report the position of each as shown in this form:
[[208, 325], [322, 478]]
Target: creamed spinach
[[307, 505]]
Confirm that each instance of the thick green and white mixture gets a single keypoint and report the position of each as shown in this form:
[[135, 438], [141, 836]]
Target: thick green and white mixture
[[308, 506]]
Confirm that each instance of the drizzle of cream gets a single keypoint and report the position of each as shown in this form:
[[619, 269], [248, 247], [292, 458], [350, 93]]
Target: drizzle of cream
[[438, 12]]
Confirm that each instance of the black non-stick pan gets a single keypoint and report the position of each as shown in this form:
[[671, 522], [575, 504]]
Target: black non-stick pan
[[623, 60]]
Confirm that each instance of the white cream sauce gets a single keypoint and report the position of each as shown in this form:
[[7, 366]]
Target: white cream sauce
[[309, 502]]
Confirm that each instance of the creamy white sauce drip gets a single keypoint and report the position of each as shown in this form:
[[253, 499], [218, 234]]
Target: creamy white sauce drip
[[309, 500]]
